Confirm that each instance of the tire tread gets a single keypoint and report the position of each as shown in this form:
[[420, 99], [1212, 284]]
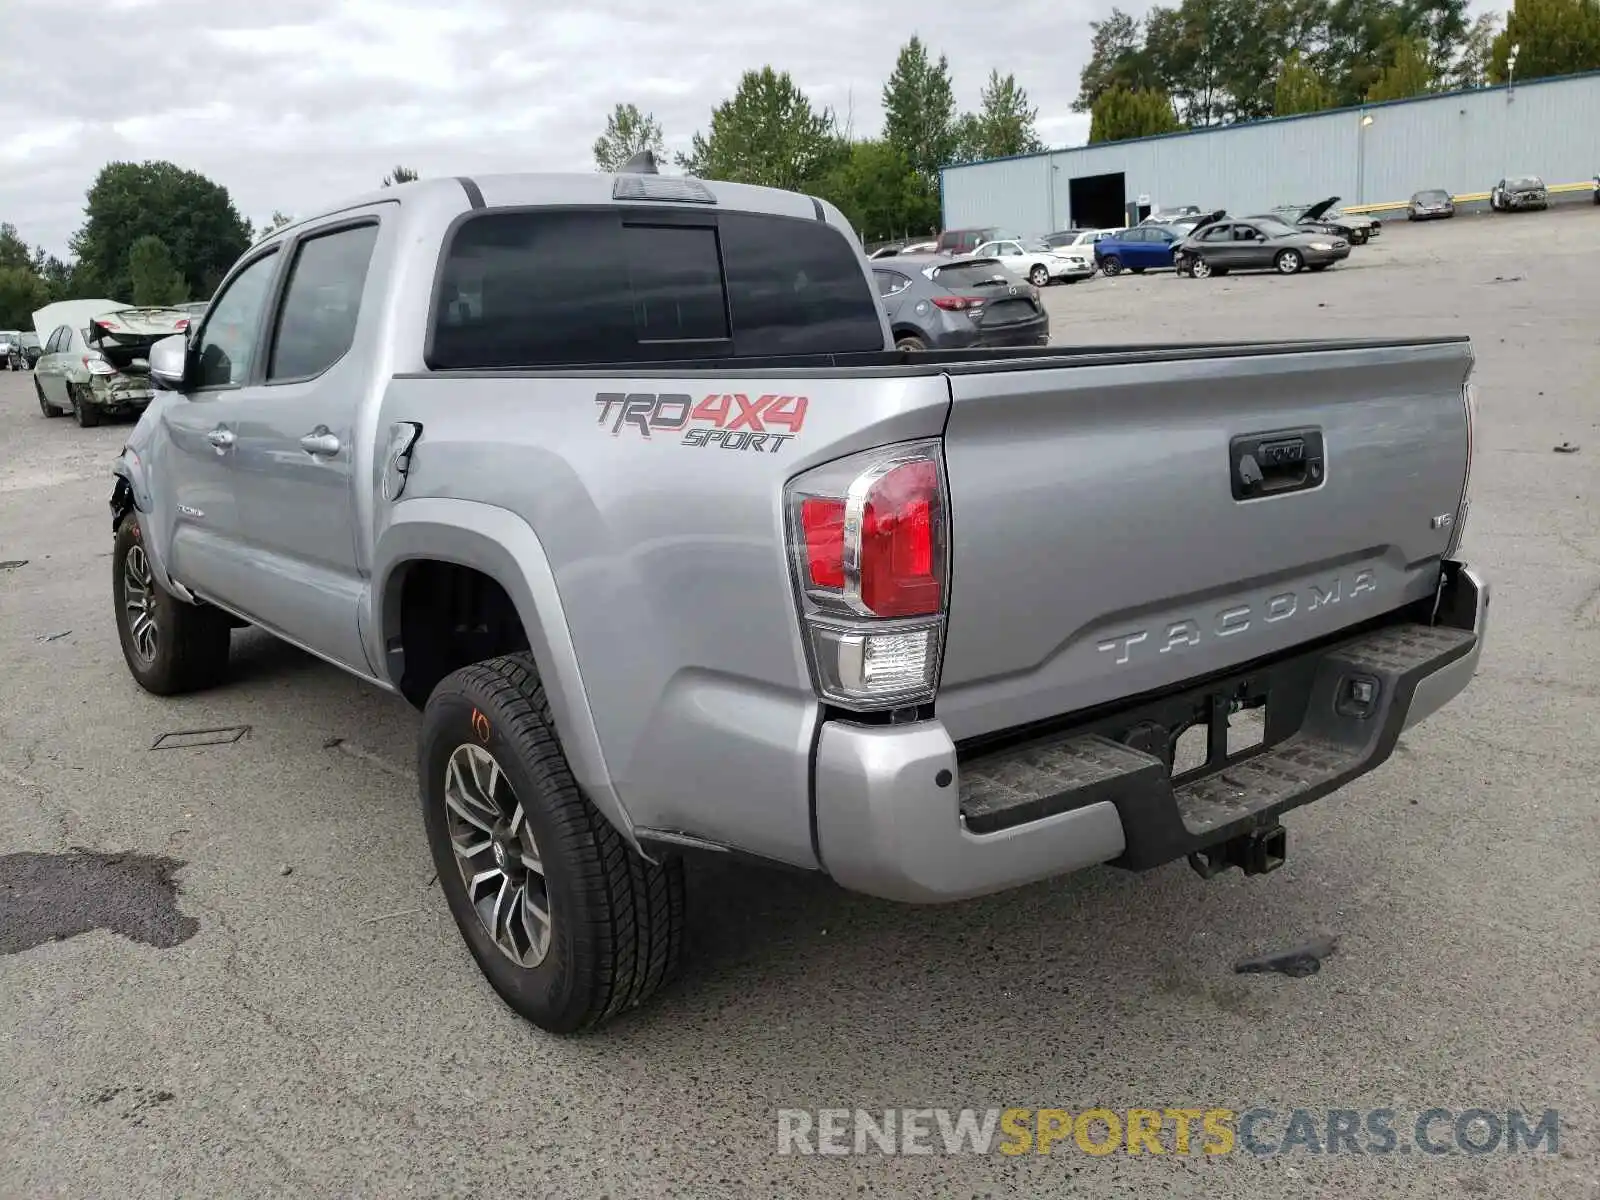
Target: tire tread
[[633, 939]]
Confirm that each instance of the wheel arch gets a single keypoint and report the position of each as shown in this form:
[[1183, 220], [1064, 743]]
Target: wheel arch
[[496, 545]]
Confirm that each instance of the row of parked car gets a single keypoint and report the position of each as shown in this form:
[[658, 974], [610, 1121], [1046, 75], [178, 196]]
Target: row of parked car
[[90, 358]]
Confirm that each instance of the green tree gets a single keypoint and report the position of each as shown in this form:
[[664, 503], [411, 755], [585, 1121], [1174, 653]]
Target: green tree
[[21, 292], [1002, 126], [1552, 37], [400, 175], [1120, 114], [155, 279], [1471, 68], [1408, 74], [1300, 89], [919, 111], [1441, 26], [277, 222], [767, 134], [875, 187], [14, 252], [627, 132], [195, 217], [1116, 51]]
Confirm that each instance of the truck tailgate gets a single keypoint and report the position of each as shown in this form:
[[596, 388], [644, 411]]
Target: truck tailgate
[[1110, 540]]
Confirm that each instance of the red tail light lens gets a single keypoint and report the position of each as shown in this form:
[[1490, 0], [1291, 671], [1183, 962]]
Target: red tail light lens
[[869, 543], [822, 522], [872, 543], [900, 574], [182, 325], [956, 303]]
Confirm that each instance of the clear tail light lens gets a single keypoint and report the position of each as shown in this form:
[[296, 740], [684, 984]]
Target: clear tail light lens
[[869, 538]]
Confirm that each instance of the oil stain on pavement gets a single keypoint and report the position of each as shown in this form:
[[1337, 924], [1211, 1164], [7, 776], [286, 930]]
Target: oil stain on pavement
[[52, 897]]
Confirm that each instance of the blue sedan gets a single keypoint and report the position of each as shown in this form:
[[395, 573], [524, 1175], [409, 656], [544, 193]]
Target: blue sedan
[[1142, 248]]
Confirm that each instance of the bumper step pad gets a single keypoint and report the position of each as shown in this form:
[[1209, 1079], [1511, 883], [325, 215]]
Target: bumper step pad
[[1337, 712]]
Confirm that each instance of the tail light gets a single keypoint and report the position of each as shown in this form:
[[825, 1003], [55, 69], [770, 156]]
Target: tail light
[[956, 303], [181, 325], [96, 365], [1469, 397], [869, 536]]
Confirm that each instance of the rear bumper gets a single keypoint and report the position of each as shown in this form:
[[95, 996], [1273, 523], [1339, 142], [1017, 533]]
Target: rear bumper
[[901, 813]]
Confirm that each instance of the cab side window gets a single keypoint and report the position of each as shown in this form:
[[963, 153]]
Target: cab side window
[[227, 342], [317, 323]]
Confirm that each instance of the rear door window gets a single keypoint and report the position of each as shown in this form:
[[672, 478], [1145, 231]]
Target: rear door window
[[557, 287], [317, 321]]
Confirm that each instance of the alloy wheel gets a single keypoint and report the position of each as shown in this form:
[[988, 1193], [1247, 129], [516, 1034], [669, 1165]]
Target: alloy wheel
[[139, 603], [1200, 268], [499, 860]]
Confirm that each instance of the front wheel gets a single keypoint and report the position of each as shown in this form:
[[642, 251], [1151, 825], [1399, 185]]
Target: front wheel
[[1288, 262], [1111, 265], [171, 646], [568, 924], [1200, 268], [1039, 277]]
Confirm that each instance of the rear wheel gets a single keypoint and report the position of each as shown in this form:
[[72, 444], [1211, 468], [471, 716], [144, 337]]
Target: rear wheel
[[907, 342], [1200, 268], [87, 414], [171, 646], [568, 924], [1039, 277], [1288, 262], [48, 409], [1111, 265]]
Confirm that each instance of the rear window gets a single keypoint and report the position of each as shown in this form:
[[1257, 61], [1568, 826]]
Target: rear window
[[560, 287], [971, 274]]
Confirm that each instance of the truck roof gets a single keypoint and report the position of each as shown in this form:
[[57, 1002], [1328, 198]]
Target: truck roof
[[536, 189]]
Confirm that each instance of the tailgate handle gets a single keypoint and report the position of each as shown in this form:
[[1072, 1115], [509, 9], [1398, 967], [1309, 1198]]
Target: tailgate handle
[[1275, 464]]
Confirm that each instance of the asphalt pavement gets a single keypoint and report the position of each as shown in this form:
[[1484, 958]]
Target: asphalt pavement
[[240, 980]]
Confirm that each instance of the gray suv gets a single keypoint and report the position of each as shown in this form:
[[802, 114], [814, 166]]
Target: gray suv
[[935, 303], [622, 481]]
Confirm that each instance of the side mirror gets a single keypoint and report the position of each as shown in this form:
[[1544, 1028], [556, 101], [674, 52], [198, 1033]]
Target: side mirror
[[169, 362]]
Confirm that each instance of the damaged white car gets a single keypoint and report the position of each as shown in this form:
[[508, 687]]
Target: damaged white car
[[95, 360]]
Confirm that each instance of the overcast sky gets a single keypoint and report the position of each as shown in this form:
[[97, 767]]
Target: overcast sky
[[293, 103]]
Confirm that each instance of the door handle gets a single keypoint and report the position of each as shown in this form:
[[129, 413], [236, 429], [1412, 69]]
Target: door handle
[[320, 442], [221, 438]]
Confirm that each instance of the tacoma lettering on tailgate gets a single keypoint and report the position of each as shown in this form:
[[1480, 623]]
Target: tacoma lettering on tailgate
[[1239, 618], [730, 420]]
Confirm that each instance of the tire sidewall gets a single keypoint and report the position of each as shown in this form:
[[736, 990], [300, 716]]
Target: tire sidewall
[[1200, 268], [551, 992], [1039, 277], [1112, 265], [1285, 259], [149, 674]]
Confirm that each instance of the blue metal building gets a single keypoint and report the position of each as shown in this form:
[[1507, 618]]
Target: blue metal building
[[1374, 154]]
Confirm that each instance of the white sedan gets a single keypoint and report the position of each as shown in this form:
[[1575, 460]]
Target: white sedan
[[1038, 263]]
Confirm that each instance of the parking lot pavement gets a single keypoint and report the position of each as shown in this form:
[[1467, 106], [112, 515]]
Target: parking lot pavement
[[324, 1032]]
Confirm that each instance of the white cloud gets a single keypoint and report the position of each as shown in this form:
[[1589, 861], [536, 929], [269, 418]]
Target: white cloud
[[292, 104]]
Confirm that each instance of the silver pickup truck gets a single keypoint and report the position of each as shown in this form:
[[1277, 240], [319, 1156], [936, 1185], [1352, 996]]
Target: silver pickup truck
[[620, 481]]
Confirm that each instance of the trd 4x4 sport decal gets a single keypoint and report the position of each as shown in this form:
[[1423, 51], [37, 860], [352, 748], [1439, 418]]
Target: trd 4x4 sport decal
[[732, 421]]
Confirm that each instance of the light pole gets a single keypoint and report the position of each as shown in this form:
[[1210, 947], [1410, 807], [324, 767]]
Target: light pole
[[1361, 158], [1511, 74]]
